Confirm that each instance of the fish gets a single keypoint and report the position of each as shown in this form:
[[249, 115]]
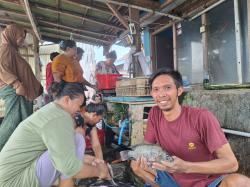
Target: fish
[[96, 182], [106, 183], [111, 173], [152, 152]]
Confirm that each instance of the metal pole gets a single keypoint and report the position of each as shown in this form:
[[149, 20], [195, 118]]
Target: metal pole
[[175, 47], [238, 40], [239, 133], [206, 73]]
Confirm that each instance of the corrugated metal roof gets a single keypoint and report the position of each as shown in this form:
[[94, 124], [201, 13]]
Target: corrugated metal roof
[[88, 21]]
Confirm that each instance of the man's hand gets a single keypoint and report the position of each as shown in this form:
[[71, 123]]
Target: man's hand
[[177, 166], [135, 165], [142, 164], [103, 171], [97, 161], [140, 168], [20, 90]]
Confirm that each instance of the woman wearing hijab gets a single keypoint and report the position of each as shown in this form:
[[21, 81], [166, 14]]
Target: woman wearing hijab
[[18, 85]]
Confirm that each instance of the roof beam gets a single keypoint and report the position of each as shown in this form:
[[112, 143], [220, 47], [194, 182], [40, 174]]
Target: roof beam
[[45, 33], [141, 7], [32, 20], [84, 5], [67, 13], [63, 37], [55, 30], [79, 35], [53, 24], [118, 15], [78, 16], [15, 21], [135, 3], [118, 8], [166, 3], [15, 13], [76, 29]]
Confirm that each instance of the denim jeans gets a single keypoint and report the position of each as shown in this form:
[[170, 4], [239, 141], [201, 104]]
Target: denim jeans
[[166, 180]]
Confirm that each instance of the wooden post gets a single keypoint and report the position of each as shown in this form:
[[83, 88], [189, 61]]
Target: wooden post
[[153, 55], [135, 18], [36, 58], [31, 18]]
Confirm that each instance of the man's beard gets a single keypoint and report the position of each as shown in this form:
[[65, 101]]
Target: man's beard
[[167, 109]]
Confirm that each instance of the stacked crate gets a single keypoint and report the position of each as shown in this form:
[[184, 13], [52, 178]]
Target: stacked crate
[[133, 87], [125, 87], [142, 86]]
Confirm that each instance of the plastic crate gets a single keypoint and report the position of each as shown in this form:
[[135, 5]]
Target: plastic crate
[[107, 81]]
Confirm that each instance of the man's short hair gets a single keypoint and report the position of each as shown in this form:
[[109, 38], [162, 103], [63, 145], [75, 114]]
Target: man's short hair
[[111, 54], [99, 108], [53, 55], [172, 73], [67, 43], [79, 50]]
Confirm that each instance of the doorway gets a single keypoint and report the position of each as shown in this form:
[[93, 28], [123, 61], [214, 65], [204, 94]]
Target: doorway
[[164, 49]]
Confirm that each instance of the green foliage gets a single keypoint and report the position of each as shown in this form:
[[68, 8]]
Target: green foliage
[[120, 111]]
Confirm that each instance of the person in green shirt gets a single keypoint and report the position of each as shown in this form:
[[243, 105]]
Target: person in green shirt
[[46, 145]]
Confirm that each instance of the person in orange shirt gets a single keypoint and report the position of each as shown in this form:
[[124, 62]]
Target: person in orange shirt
[[66, 66]]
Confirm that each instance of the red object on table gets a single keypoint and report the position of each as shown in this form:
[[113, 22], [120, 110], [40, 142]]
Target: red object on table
[[107, 81]]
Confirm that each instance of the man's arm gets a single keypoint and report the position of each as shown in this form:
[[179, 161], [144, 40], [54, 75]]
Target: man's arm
[[98, 68], [88, 171], [141, 169], [115, 69], [96, 146], [87, 83], [225, 163], [60, 141]]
